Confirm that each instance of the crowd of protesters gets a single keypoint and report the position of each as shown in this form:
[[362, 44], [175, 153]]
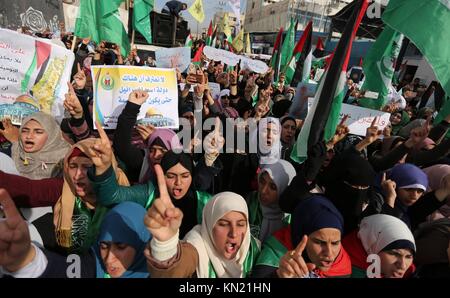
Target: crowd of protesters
[[139, 201]]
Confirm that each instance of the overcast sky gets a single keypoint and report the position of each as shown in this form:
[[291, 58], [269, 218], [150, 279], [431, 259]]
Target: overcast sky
[[211, 7]]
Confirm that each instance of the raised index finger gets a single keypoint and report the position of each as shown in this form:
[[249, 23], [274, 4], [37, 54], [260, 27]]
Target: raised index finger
[[374, 122], [9, 208], [101, 132], [344, 119], [301, 246], [79, 67], [217, 126], [163, 193]]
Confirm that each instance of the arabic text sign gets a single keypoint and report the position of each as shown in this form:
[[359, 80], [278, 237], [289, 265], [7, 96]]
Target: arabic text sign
[[221, 55], [359, 119], [173, 58], [37, 66], [254, 65], [113, 84], [215, 90]]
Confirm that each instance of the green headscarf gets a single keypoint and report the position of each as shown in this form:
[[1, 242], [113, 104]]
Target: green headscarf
[[403, 122]]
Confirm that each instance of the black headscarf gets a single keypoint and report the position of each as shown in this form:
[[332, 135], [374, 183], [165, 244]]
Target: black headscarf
[[188, 203], [313, 214], [171, 158], [280, 108], [347, 169]]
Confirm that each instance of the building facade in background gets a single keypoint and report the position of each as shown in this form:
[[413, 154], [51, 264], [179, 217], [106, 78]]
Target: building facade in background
[[270, 15]]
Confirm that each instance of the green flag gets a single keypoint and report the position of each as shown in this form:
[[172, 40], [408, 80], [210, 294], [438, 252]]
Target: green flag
[[141, 17], [427, 25], [100, 20], [289, 71], [288, 46], [379, 66]]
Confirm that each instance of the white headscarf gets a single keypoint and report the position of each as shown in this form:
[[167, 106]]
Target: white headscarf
[[266, 154], [201, 237], [282, 172], [379, 230]]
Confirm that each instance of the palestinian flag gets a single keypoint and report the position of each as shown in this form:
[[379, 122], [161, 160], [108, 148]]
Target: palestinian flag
[[198, 56], [39, 64], [209, 35], [228, 42], [320, 49], [321, 62], [188, 42], [322, 119], [289, 69], [275, 60], [304, 53], [214, 37]]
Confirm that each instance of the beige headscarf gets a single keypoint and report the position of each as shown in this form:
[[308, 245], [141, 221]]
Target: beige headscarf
[[45, 163], [62, 218], [201, 237]]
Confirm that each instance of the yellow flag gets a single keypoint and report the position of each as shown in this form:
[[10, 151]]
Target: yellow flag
[[238, 42], [248, 46], [197, 11], [225, 26]]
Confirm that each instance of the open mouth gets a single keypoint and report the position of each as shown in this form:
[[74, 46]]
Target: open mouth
[[177, 192], [326, 263], [231, 247], [80, 185], [28, 145]]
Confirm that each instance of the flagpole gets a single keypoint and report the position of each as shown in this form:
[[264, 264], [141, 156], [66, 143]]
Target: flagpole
[[73, 43], [133, 32]]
